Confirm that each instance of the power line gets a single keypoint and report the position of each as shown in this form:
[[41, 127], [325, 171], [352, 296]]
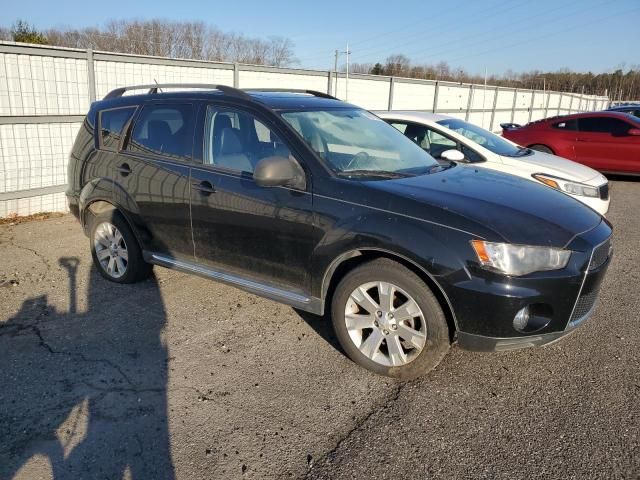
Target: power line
[[502, 34], [599, 20], [448, 30]]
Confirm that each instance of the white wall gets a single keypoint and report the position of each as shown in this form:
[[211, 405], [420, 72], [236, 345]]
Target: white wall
[[110, 75], [44, 90]]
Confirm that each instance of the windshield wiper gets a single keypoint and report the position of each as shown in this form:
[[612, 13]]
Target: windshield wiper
[[372, 173]]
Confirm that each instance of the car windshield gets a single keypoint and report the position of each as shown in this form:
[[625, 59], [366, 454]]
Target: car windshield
[[356, 143], [488, 140]]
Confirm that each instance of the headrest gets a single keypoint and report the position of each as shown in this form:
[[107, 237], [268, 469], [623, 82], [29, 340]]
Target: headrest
[[220, 123], [230, 143], [414, 131]]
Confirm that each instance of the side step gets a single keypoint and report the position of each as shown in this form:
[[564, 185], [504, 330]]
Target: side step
[[295, 299]]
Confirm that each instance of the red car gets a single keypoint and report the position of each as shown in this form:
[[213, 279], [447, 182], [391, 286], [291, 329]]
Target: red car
[[606, 141]]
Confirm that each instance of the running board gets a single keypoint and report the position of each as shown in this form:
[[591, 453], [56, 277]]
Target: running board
[[309, 304]]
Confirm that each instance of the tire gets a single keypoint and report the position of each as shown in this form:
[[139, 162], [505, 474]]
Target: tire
[[428, 320], [541, 148], [115, 250]]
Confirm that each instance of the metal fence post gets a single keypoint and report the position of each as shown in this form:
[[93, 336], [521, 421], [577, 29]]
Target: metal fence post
[[435, 98], [91, 77], [330, 82], [469, 103], [546, 105], [533, 102], [513, 107], [571, 104], [559, 104], [391, 87], [236, 75], [493, 109]]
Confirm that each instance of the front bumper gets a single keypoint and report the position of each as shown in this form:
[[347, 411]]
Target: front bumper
[[480, 343], [487, 304]]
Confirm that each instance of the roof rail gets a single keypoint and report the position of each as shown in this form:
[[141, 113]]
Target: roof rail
[[315, 93], [153, 88]]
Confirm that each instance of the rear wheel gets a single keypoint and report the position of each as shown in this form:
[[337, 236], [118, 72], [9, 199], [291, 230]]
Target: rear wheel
[[541, 148], [115, 250], [388, 321]]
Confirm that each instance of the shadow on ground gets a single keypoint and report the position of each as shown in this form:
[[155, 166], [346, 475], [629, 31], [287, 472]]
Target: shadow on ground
[[66, 400]]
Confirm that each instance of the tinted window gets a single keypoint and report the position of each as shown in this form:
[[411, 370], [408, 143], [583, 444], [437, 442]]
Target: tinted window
[[164, 130], [236, 140], [112, 124], [566, 125], [612, 126]]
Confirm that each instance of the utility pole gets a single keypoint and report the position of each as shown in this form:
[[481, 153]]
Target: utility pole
[[484, 96], [335, 72], [346, 94]]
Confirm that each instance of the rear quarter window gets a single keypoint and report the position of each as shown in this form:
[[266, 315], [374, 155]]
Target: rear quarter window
[[112, 125], [566, 125]]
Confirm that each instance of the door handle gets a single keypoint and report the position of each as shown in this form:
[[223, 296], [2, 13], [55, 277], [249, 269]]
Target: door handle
[[204, 187], [124, 169]]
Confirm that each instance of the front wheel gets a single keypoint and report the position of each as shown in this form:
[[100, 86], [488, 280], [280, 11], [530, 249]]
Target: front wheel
[[388, 321]]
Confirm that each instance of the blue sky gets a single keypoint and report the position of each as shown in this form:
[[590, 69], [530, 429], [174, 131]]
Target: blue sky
[[522, 35]]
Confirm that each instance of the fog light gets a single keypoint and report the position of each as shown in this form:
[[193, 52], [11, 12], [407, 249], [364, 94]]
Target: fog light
[[521, 319]]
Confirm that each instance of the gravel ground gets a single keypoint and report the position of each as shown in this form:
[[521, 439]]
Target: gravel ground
[[180, 377]]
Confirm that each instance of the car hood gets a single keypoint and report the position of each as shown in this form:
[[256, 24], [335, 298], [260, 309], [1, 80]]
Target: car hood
[[489, 204], [540, 162]]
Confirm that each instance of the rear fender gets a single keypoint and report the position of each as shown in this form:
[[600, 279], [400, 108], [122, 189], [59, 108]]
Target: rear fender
[[106, 190]]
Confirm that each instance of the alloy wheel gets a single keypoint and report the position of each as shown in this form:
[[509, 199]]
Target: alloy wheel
[[385, 323], [111, 250]]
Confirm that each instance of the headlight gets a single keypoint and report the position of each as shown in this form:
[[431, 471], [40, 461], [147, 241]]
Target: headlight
[[519, 259], [567, 186]]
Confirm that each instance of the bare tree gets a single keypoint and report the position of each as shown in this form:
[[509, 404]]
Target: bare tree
[[192, 40]]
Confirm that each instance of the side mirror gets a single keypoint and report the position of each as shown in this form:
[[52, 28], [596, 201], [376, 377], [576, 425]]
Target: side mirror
[[279, 172], [452, 155], [634, 132]]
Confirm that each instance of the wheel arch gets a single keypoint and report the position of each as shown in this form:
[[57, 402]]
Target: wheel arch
[[351, 259], [538, 144], [103, 194]]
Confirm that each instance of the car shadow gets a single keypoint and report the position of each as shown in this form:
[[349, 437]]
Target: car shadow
[[322, 326], [86, 389], [623, 178]]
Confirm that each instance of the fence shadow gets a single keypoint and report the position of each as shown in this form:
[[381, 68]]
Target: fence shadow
[[86, 389]]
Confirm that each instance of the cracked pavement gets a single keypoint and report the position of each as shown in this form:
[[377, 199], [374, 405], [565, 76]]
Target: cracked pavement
[[181, 377]]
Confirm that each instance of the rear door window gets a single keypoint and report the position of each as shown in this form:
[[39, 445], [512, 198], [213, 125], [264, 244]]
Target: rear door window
[[612, 126], [112, 125], [164, 129]]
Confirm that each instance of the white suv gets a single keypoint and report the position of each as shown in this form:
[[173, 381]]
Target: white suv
[[453, 139]]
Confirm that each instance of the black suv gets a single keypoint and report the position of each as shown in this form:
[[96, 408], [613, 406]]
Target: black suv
[[307, 200]]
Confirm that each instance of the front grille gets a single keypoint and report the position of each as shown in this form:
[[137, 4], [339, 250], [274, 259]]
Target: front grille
[[583, 306], [600, 255], [603, 190]]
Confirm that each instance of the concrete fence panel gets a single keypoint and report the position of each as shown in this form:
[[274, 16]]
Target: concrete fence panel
[[413, 96], [45, 92]]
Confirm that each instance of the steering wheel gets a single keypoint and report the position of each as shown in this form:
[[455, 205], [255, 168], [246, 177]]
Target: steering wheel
[[357, 158]]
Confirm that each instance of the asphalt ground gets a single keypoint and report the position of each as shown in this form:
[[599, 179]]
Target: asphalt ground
[[181, 377]]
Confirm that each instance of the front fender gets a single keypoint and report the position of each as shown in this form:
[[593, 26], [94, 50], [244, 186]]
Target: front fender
[[440, 252]]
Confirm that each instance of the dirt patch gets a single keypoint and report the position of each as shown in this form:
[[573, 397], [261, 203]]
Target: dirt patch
[[15, 219]]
